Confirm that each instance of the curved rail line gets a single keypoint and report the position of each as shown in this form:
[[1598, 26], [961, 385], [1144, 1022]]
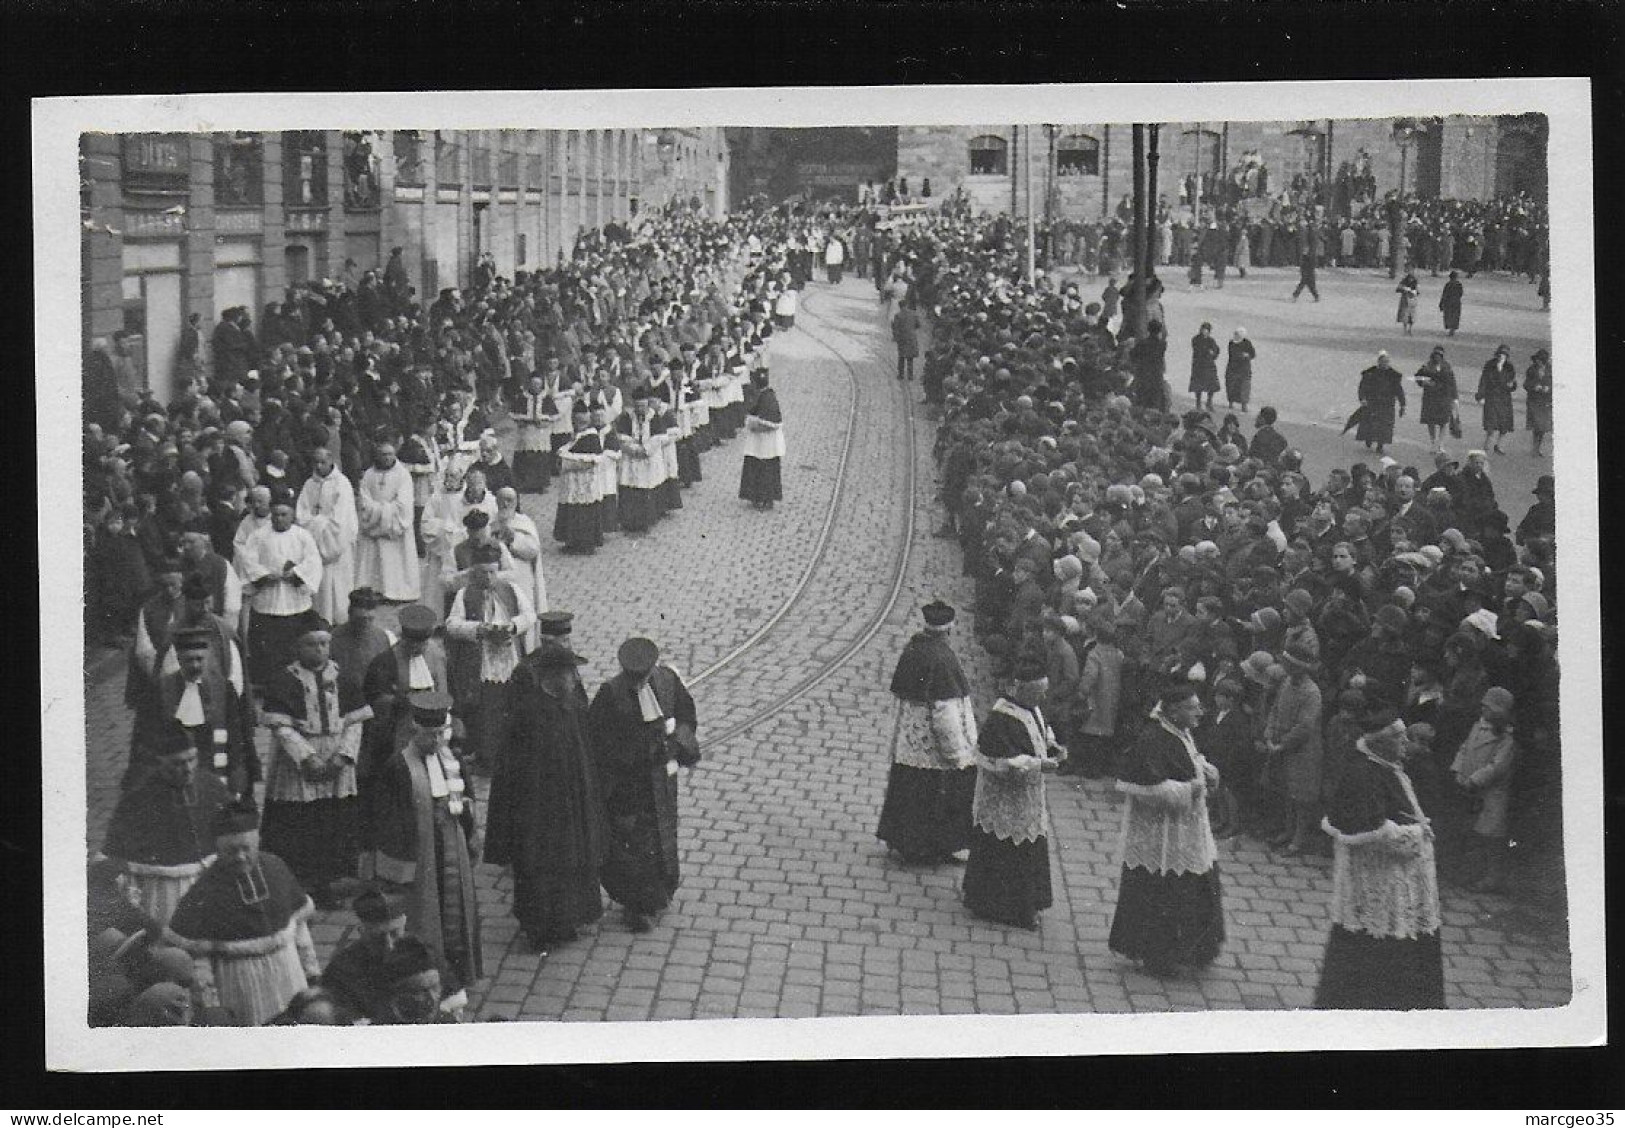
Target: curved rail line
[[820, 548], [899, 577]]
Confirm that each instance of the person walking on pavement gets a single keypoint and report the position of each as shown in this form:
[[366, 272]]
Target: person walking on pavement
[[905, 330], [1306, 277], [1238, 370], [1382, 392], [1204, 365], [1495, 385], [1450, 303], [1438, 383], [1409, 293], [1537, 386]]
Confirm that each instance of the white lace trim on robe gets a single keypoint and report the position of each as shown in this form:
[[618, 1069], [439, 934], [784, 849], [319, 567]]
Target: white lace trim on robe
[[939, 736], [1165, 826], [1009, 802], [1384, 881]]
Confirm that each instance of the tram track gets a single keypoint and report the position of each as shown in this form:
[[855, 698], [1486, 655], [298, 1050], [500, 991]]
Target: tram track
[[894, 588]]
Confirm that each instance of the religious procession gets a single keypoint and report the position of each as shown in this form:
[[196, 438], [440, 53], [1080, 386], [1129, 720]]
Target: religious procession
[[351, 691]]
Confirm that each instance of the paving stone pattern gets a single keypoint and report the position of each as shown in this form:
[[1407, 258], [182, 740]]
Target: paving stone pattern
[[789, 906]]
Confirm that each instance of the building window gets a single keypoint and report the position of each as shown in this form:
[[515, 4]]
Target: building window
[[238, 161], [360, 172], [989, 156], [304, 169], [409, 158], [156, 163], [1302, 155], [446, 155], [535, 170], [519, 250], [1077, 155], [482, 170], [507, 169]]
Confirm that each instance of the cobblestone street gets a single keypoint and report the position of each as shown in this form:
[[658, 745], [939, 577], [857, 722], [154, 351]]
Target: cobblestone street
[[786, 625]]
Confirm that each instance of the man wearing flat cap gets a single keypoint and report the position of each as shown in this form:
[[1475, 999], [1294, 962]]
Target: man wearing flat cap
[[422, 838], [245, 924], [546, 816], [642, 725], [926, 816], [316, 718], [283, 570]]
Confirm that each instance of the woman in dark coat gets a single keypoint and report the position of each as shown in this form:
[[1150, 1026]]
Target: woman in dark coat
[[1537, 386], [1438, 383], [1495, 386], [1409, 293], [1150, 359], [1169, 907], [1450, 303], [1007, 878], [1204, 365], [1384, 952], [1238, 371]]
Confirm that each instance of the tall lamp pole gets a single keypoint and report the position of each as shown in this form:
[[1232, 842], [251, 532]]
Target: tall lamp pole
[[1137, 290], [1027, 169]]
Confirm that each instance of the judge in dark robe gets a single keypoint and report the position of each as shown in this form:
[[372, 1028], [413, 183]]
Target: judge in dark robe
[[423, 837], [358, 640], [1169, 912], [926, 816], [1384, 951], [245, 924], [761, 482], [545, 817], [1007, 878], [642, 724], [161, 831]]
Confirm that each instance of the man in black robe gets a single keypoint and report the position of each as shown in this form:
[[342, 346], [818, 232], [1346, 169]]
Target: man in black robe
[[545, 818], [358, 973], [926, 816], [1381, 393], [642, 724]]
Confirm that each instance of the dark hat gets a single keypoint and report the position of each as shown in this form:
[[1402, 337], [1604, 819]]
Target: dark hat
[[937, 613], [195, 587], [374, 905], [417, 621], [638, 655], [486, 554], [318, 628], [281, 495], [235, 817], [550, 653], [556, 623], [365, 597], [476, 519], [409, 957], [193, 640], [430, 707], [174, 738], [1031, 664]]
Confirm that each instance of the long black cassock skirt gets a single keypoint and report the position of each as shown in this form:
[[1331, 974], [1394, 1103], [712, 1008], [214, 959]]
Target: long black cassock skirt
[[317, 839], [1381, 973], [610, 506], [688, 460], [1006, 882], [1167, 918], [759, 482], [579, 526], [927, 813], [532, 470], [639, 508]]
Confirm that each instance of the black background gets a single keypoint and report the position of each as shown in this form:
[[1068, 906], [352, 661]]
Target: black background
[[180, 46]]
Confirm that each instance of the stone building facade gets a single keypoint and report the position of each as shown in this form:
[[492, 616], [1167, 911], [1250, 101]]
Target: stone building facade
[[175, 224], [1085, 170]]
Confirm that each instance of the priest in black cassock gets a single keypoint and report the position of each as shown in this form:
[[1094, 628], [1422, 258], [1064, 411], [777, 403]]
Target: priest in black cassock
[[760, 483], [1169, 910], [926, 816], [545, 818], [642, 725], [1007, 878], [161, 833]]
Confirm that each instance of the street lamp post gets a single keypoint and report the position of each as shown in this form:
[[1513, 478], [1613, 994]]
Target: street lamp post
[[1027, 170]]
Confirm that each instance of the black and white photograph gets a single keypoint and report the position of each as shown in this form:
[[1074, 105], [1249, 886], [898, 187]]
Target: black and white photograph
[[611, 574]]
